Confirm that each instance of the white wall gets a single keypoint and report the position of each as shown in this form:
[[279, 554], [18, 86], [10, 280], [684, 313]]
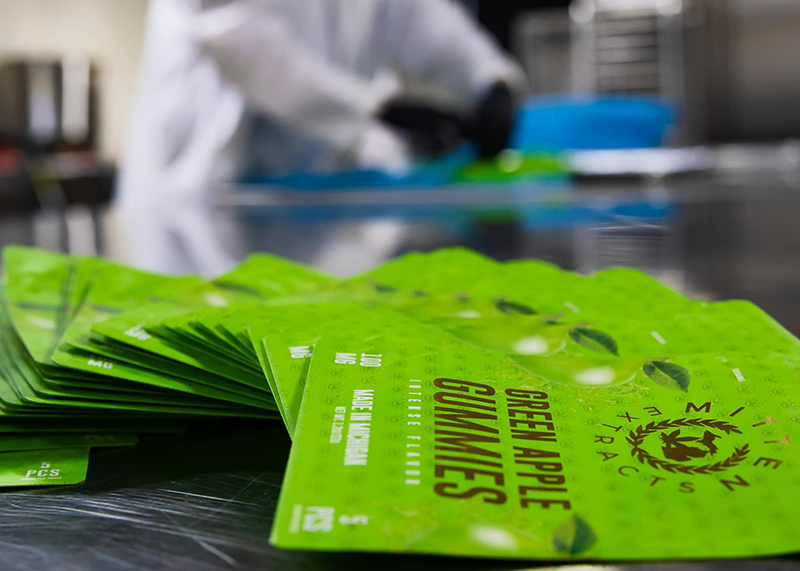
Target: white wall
[[108, 31]]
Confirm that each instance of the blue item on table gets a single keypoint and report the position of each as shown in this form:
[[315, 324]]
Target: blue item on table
[[572, 123], [435, 173]]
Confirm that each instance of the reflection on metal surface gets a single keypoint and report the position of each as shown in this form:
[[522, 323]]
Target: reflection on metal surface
[[650, 247], [582, 568], [468, 196], [141, 527], [204, 502]]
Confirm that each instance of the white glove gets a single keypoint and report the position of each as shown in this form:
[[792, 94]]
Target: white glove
[[381, 148]]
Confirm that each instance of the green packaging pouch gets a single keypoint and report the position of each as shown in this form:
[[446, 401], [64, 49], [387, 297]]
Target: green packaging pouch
[[556, 347], [44, 467], [411, 441]]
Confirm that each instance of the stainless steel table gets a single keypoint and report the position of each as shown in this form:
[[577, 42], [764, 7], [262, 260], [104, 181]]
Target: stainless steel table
[[205, 502]]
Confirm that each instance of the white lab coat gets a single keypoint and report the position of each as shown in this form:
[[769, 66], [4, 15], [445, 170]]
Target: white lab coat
[[308, 70]]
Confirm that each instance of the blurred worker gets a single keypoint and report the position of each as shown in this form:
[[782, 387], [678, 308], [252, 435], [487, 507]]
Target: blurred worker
[[307, 77]]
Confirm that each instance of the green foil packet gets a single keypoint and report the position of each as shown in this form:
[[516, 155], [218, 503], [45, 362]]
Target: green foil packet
[[44, 467], [411, 441]]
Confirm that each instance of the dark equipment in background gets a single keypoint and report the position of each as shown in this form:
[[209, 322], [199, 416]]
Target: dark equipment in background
[[499, 17], [52, 103], [48, 148]]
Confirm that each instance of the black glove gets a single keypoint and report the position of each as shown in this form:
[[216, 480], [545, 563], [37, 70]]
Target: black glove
[[493, 122], [431, 131]]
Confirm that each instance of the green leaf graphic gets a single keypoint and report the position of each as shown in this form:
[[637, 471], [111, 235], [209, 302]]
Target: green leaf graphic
[[381, 288], [668, 375], [223, 285], [511, 308], [594, 340], [573, 536]]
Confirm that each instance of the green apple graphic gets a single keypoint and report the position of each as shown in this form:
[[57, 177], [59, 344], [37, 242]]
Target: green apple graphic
[[509, 336], [460, 306], [580, 370], [442, 308]]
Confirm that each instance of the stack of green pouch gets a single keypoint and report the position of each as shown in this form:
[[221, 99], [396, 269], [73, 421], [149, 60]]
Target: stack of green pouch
[[448, 404], [65, 389], [442, 403], [445, 403]]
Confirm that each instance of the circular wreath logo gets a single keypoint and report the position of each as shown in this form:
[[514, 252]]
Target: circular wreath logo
[[680, 446]]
